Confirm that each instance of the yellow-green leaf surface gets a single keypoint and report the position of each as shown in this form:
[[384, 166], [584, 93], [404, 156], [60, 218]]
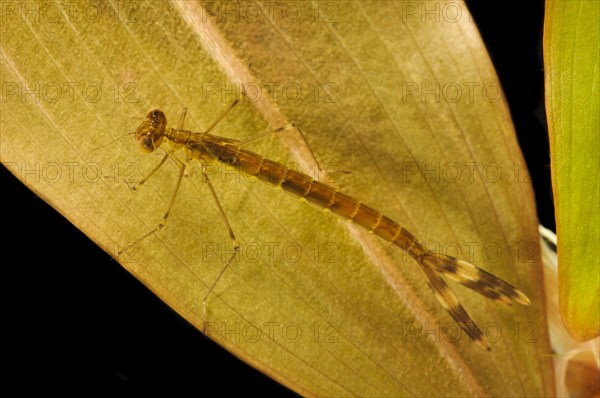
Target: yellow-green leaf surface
[[572, 68], [411, 107]]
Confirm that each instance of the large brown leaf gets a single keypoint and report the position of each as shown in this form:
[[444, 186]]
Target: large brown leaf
[[410, 105]]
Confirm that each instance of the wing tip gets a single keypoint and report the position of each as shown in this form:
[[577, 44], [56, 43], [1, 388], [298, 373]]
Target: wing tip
[[484, 344], [506, 292], [521, 298]]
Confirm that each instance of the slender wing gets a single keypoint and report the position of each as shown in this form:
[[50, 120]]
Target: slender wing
[[475, 278], [449, 301]]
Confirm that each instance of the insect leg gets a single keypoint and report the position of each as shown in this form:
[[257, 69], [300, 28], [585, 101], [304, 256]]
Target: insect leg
[[273, 131], [321, 172], [163, 222], [182, 119], [212, 126], [236, 245], [143, 180]]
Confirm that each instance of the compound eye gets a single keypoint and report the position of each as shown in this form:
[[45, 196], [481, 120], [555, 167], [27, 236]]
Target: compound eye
[[147, 144]]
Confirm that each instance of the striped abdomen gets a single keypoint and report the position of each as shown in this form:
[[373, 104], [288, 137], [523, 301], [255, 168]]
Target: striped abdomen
[[316, 192], [433, 265], [207, 148]]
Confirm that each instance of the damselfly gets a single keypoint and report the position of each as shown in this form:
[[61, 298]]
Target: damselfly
[[207, 148]]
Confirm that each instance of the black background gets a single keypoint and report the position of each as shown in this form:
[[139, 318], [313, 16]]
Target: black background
[[74, 317]]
